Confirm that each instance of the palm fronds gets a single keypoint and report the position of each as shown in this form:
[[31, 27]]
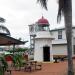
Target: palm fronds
[[61, 6], [4, 29], [2, 20], [43, 3], [60, 10]]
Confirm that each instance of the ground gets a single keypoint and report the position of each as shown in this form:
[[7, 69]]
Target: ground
[[47, 69]]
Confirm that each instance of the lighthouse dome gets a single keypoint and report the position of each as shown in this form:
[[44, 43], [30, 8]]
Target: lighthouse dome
[[43, 21]]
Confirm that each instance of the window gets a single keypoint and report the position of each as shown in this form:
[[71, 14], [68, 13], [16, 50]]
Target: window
[[43, 28], [46, 28], [59, 34]]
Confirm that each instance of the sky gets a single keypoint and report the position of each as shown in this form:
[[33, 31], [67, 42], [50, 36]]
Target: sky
[[21, 13]]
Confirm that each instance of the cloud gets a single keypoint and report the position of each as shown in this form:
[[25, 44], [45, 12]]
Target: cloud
[[21, 13], [21, 5]]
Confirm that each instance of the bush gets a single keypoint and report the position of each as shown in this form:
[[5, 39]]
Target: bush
[[3, 65], [17, 60]]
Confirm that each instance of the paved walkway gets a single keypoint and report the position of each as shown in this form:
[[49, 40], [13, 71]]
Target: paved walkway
[[47, 69]]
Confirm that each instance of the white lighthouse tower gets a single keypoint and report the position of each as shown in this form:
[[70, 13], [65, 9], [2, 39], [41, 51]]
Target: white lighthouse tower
[[42, 40]]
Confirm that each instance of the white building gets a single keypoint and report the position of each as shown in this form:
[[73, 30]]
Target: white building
[[47, 44], [59, 44]]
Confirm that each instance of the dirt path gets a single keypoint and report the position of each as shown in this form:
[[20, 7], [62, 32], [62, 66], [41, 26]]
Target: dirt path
[[47, 69]]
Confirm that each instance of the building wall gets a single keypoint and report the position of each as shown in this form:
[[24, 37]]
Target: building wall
[[58, 43], [59, 49], [38, 52], [55, 34], [57, 46], [44, 34]]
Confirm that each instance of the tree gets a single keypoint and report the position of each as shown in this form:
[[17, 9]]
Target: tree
[[65, 9], [5, 29], [2, 20]]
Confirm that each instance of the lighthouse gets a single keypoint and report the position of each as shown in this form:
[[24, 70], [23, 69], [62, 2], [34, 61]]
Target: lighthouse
[[42, 43]]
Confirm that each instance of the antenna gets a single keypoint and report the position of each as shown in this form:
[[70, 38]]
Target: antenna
[[42, 16]]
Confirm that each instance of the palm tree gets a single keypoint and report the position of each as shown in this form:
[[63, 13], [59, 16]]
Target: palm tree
[[3, 28], [2, 20], [65, 9]]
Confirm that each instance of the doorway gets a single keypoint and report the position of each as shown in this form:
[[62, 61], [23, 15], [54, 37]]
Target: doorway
[[46, 53]]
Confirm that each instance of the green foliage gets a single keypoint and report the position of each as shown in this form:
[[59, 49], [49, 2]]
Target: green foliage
[[21, 49], [3, 66], [4, 63], [17, 60], [1, 71], [18, 50]]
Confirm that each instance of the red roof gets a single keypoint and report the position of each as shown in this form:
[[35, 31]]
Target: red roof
[[43, 21]]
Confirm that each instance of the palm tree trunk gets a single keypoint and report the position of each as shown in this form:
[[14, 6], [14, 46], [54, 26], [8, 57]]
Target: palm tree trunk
[[68, 28]]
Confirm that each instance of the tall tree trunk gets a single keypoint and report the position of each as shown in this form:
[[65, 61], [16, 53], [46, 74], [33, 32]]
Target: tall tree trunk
[[68, 27]]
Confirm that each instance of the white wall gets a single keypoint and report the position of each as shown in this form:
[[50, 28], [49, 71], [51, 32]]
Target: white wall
[[59, 49], [38, 52], [45, 40], [55, 34], [44, 34], [61, 41]]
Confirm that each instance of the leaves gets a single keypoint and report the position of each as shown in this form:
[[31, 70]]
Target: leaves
[[60, 10], [61, 4], [43, 3], [2, 20], [4, 29]]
